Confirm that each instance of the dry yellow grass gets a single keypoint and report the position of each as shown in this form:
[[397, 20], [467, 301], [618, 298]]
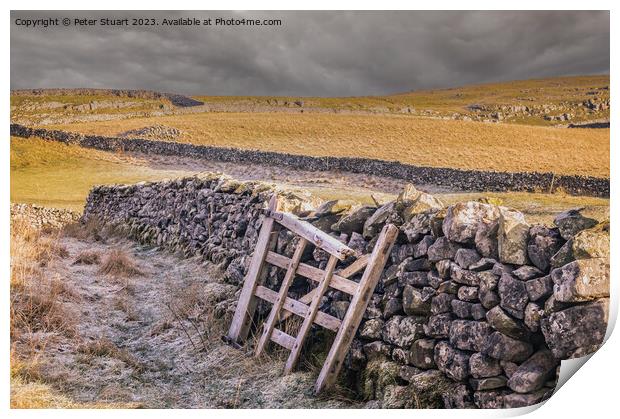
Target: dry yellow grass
[[420, 141]]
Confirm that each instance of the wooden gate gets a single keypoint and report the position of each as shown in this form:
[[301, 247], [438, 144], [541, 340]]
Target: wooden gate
[[307, 307]]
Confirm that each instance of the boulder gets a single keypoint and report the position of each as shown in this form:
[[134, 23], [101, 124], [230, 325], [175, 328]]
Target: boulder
[[441, 303], [463, 220], [371, 329], [484, 264], [469, 335], [486, 240], [505, 348], [466, 257], [354, 221], [452, 362], [513, 295], [422, 353], [463, 276], [534, 372], [374, 223], [576, 331], [543, 244], [592, 243], [502, 322], [438, 326], [418, 226], [481, 366], [335, 206], [415, 302], [392, 307], [522, 400], [469, 294], [539, 288], [442, 249], [412, 202], [493, 399], [581, 280], [526, 272], [402, 331], [512, 237], [462, 309], [563, 256], [571, 222], [533, 313]]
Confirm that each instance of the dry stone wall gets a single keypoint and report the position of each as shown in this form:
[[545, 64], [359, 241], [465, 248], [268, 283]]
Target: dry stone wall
[[475, 307], [469, 180]]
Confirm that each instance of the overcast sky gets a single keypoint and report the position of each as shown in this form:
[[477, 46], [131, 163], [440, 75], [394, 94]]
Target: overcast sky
[[311, 53]]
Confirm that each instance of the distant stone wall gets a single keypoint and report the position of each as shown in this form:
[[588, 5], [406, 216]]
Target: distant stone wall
[[467, 180], [475, 307]]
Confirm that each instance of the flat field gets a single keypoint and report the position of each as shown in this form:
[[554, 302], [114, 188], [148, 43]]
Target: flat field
[[415, 140], [58, 175]]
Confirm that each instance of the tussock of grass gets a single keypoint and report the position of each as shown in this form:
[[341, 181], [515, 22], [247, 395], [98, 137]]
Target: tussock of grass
[[104, 347], [87, 258], [118, 263], [36, 299]]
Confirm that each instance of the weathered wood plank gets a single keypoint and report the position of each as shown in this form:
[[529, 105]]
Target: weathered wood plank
[[274, 315], [309, 319], [315, 274], [314, 235], [355, 267], [298, 308], [246, 305], [347, 272], [359, 302], [282, 339]]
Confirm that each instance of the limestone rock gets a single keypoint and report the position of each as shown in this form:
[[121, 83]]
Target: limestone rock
[[481, 366], [502, 322], [543, 244], [578, 330], [533, 313], [422, 353], [505, 348], [415, 302], [522, 400], [469, 335], [441, 303], [513, 295], [442, 249], [354, 221], [572, 222], [533, 373], [371, 329], [592, 243], [526, 272], [377, 220], [466, 257], [486, 240], [438, 326], [512, 237], [452, 362], [581, 280], [539, 288], [468, 293], [563, 256], [463, 220]]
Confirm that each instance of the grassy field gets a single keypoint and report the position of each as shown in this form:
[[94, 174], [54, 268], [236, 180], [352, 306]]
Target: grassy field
[[420, 141], [551, 91], [58, 175]]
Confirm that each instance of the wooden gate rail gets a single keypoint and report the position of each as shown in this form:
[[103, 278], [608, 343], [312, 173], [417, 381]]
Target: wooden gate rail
[[307, 307]]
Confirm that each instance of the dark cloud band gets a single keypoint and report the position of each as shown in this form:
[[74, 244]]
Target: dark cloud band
[[307, 53]]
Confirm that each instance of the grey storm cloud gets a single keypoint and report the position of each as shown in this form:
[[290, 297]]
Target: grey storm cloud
[[311, 53]]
